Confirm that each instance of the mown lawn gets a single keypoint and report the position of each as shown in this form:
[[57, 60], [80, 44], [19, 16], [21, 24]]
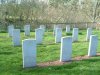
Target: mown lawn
[[11, 57]]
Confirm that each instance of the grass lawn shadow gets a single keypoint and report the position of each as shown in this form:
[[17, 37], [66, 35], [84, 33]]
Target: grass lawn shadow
[[6, 53]]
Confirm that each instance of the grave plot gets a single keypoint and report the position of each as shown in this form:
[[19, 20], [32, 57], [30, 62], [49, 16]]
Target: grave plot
[[48, 56], [16, 37], [10, 29], [89, 33], [67, 28], [75, 34], [29, 53], [27, 30], [49, 37], [58, 35]]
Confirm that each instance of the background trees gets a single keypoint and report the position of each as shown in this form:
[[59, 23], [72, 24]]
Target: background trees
[[50, 11]]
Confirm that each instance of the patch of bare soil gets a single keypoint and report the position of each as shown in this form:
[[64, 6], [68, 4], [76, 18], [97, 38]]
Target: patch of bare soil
[[52, 63], [58, 63]]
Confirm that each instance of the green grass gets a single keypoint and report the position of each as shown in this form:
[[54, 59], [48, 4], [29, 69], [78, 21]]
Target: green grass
[[11, 57]]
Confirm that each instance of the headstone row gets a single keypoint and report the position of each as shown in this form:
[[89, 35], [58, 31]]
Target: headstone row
[[29, 50], [39, 33], [29, 45]]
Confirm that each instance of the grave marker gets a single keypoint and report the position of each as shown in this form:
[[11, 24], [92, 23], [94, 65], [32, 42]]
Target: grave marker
[[93, 45], [58, 35], [42, 27], [68, 28], [10, 30], [66, 49], [75, 34], [39, 35], [27, 30], [89, 33], [55, 27], [16, 37], [29, 53]]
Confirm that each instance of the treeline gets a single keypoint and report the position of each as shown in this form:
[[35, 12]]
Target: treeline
[[53, 11]]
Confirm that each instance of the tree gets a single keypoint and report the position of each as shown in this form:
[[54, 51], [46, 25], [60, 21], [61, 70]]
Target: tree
[[91, 9]]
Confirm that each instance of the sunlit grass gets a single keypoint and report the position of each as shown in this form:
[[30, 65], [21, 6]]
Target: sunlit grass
[[11, 57]]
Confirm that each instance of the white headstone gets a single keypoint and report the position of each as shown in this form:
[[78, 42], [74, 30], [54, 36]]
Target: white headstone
[[68, 28], [74, 26], [27, 30], [16, 37], [93, 45], [89, 33], [58, 35], [42, 27], [39, 35], [10, 30], [86, 25], [75, 34], [55, 27], [66, 49], [29, 53]]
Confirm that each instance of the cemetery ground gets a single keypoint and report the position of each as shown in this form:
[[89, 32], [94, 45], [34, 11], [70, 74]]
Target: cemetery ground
[[11, 57]]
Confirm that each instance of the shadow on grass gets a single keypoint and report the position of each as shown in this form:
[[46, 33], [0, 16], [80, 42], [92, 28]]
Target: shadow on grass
[[70, 33], [80, 33], [3, 37], [92, 60], [18, 46], [6, 53], [74, 68], [48, 44], [52, 43], [80, 41]]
